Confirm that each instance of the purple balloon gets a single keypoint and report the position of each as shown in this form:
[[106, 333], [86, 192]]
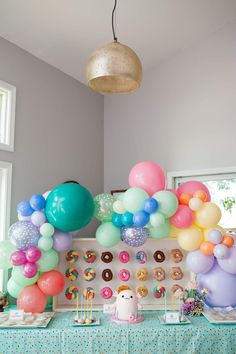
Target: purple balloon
[[61, 241], [215, 236], [18, 258], [197, 262], [221, 287], [30, 270], [134, 236], [221, 251], [33, 254], [23, 234], [229, 264]]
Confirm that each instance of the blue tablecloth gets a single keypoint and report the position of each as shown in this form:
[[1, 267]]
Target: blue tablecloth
[[109, 338]]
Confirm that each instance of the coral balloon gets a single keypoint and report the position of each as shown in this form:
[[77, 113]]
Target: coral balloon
[[207, 248], [51, 283], [183, 217], [32, 299], [184, 198], [197, 262], [191, 187], [228, 241], [208, 216], [200, 194], [147, 175], [167, 201], [190, 239]]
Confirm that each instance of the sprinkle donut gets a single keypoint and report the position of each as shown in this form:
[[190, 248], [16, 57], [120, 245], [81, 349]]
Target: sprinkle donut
[[176, 273], [176, 255], [159, 256], [71, 293], [106, 292], [89, 274], [107, 257], [72, 256], [89, 256], [107, 274], [88, 293], [142, 290], [159, 292], [72, 274], [141, 257], [141, 274], [124, 257], [124, 274], [158, 274]]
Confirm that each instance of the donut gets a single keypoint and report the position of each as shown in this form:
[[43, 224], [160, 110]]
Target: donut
[[176, 255], [106, 292], [142, 290], [107, 257], [71, 293], [72, 256], [176, 287], [176, 273], [141, 274], [158, 274], [89, 256], [72, 274], [107, 274], [159, 256], [89, 274], [124, 274], [141, 257], [88, 293], [159, 292], [124, 257]]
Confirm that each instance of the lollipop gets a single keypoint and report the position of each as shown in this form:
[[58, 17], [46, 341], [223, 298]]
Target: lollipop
[[72, 256], [72, 274], [89, 274], [159, 292], [89, 256], [88, 293], [71, 293]]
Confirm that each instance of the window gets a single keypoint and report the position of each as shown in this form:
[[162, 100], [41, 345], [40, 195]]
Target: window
[[7, 116], [222, 186]]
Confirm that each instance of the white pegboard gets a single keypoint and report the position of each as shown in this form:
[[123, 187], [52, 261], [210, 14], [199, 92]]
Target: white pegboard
[[61, 303]]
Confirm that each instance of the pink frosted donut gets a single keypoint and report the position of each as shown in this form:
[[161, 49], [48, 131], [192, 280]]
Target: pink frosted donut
[[124, 257], [124, 274], [106, 292]]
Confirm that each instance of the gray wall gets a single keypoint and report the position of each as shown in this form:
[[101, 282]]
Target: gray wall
[[59, 128], [183, 117]]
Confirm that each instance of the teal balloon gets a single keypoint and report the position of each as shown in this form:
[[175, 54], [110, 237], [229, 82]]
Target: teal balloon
[[6, 249], [48, 261], [107, 235], [69, 207], [168, 203], [104, 207], [20, 279], [134, 199], [13, 288], [160, 232]]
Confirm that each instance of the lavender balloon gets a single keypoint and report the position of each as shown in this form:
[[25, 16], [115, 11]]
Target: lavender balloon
[[197, 262], [229, 264], [61, 241], [134, 236], [221, 251], [23, 234], [18, 258], [30, 270], [215, 236]]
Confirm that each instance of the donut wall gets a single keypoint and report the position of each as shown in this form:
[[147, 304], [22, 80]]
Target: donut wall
[[81, 270]]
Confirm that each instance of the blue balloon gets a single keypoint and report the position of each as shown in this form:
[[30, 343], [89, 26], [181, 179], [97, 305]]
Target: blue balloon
[[24, 208], [117, 220], [141, 218], [37, 202], [150, 205], [127, 219]]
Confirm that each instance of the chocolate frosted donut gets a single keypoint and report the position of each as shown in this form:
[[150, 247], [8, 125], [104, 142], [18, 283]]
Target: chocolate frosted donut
[[159, 256], [176, 255], [176, 287], [158, 274], [107, 274], [176, 273], [107, 257]]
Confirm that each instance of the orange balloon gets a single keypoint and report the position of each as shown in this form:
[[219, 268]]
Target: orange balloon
[[200, 194], [228, 241], [207, 248], [184, 198]]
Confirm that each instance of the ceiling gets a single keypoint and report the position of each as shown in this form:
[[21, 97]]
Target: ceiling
[[64, 32]]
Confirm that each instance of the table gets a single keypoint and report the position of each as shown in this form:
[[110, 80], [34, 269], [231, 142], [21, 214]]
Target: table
[[109, 338]]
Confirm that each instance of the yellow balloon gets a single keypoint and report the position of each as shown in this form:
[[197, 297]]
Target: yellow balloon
[[174, 231], [217, 227], [190, 239], [208, 216]]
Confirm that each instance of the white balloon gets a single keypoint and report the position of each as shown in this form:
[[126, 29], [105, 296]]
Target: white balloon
[[195, 204], [157, 219], [118, 207]]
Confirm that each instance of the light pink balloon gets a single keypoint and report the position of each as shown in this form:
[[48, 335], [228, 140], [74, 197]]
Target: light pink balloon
[[149, 176], [183, 217], [193, 186]]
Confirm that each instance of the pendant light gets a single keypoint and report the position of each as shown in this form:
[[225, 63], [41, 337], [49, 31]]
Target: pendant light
[[114, 68]]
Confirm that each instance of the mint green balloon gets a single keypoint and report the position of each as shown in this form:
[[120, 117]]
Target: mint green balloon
[[104, 206], [160, 232], [20, 279], [13, 288], [168, 203], [6, 249], [47, 230], [134, 198], [107, 235], [157, 219], [45, 243], [48, 261]]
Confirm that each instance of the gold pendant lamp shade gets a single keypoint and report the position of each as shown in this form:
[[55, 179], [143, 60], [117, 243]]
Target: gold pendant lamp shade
[[114, 68]]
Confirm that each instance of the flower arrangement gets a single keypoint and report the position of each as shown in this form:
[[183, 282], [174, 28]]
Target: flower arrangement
[[3, 301]]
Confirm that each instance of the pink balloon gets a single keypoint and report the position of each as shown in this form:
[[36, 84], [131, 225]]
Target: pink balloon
[[30, 269], [183, 217], [193, 186], [147, 175], [18, 258], [51, 283], [32, 299], [33, 254]]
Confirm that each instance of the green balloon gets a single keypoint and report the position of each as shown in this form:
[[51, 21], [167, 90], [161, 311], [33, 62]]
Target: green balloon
[[13, 288], [168, 203], [45, 243], [6, 249], [107, 234], [161, 231], [48, 261], [47, 230], [104, 206], [19, 278], [69, 207], [134, 198]]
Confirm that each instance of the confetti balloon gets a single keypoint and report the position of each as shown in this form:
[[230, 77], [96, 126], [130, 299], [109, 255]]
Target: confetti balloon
[[104, 206], [134, 236], [23, 234]]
